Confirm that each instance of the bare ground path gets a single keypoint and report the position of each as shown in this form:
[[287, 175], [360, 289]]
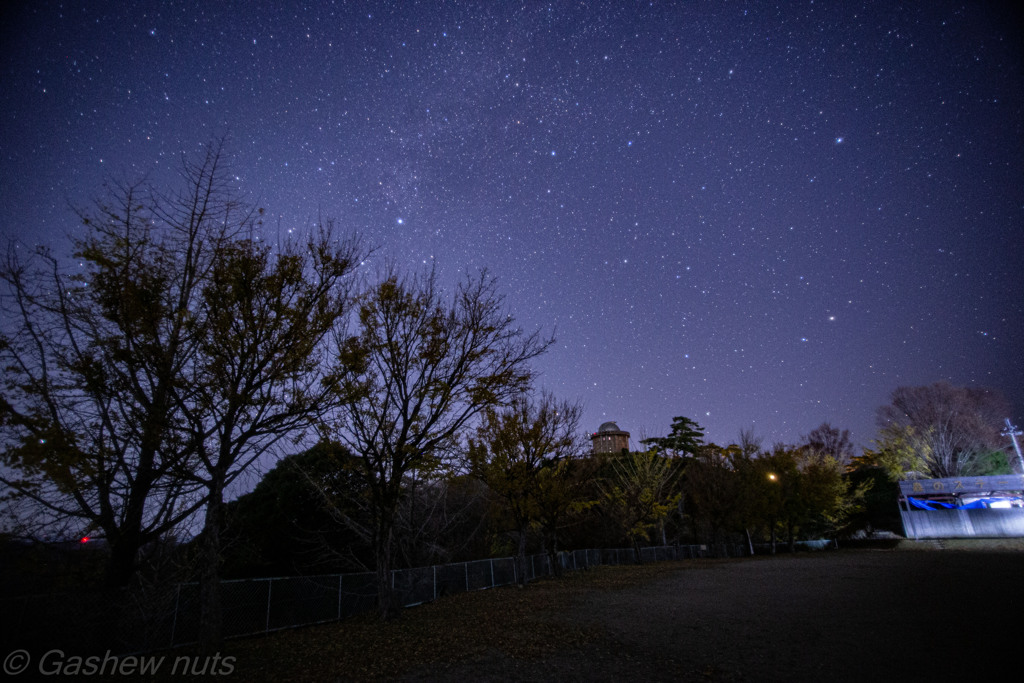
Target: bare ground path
[[828, 617], [837, 616]]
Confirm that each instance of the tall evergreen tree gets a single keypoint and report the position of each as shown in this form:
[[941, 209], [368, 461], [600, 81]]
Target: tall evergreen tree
[[684, 438]]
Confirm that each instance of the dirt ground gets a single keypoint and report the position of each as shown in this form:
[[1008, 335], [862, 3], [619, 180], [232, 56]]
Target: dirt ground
[[847, 616], [851, 615]]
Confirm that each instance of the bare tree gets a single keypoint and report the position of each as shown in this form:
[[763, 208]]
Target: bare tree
[[419, 370], [749, 443], [142, 388], [827, 441], [262, 369], [92, 362], [948, 427], [437, 517]]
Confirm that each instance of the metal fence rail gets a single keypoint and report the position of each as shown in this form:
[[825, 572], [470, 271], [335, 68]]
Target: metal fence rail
[[158, 619]]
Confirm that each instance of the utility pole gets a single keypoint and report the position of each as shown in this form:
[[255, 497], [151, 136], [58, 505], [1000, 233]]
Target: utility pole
[[1013, 432]]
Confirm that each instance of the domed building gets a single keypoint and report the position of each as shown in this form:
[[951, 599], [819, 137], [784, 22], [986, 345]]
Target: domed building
[[610, 439]]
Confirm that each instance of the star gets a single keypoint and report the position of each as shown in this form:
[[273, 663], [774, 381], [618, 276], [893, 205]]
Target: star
[[431, 117]]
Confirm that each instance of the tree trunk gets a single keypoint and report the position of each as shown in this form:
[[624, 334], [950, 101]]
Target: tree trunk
[[124, 547], [127, 537], [750, 542], [552, 550], [773, 536], [387, 607], [521, 557], [115, 595], [792, 543], [211, 614]]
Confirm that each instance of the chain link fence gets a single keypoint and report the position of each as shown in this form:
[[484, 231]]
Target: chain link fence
[[157, 618]]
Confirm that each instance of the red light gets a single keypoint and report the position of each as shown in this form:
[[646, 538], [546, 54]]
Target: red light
[[84, 539]]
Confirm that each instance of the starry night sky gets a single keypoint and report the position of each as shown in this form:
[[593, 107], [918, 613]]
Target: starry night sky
[[755, 216]]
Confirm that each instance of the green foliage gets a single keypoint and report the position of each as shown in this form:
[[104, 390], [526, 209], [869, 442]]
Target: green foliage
[[515, 444], [992, 463], [685, 437], [879, 509], [638, 493], [950, 429], [802, 489], [830, 500], [562, 494], [710, 490], [525, 455], [303, 517], [898, 453]]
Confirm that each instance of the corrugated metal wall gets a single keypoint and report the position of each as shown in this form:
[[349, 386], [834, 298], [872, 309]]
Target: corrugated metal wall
[[963, 523]]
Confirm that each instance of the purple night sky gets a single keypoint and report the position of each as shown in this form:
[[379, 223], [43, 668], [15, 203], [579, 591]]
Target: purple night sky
[[754, 216]]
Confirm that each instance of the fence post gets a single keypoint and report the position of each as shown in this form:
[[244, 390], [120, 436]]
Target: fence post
[[270, 588], [177, 606], [600, 557]]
